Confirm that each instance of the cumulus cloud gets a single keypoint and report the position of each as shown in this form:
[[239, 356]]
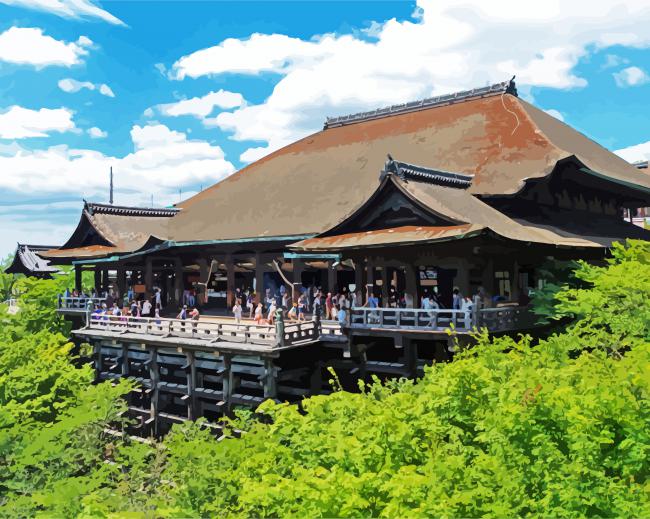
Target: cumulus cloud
[[636, 153], [29, 46], [71, 86], [67, 9], [631, 76], [162, 161], [19, 123], [441, 49], [97, 133], [199, 107]]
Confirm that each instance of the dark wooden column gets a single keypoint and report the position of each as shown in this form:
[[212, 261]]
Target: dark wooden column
[[298, 267], [259, 278], [411, 286], [462, 278], [270, 385], [77, 277], [203, 278], [98, 279], [514, 285], [148, 276], [370, 280], [154, 376], [331, 277], [178, 280], [105, 280], [358, 275], [488, 277], [121, 281], [384, 285], [227, 381], [230, 281]]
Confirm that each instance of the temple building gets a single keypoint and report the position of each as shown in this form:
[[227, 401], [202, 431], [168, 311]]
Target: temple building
[[27, 261], [471, 192]]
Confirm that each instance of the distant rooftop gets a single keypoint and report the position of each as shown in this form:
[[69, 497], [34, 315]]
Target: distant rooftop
[[641, 164], [505, 87], [94, 208]]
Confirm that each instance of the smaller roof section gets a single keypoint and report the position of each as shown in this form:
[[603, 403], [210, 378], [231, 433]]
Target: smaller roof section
[[122, 210], [28, 262], [437, 177]]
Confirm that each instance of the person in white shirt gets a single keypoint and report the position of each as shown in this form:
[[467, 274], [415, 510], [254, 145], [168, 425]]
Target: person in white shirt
[[237, 310], [146, 308]]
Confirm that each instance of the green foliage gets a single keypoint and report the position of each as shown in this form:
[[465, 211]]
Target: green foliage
[[512, 427], [555, 275], [6, 280]]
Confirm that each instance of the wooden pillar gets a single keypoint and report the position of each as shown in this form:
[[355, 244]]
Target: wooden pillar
[[410, 285], [228, 380], [370, 280], [298, 267], [358, 276], [77, 278], [259, 279], [98, 280], [270, 385], [121, 281], [202, 289], [125, 359], [488, 277], [514, 285], [331, 277], [230, 281], [410, 358], [148, 276], [384, 285], [154, 377], [178, 280], [462, 278], [105, 280], [190, 371]]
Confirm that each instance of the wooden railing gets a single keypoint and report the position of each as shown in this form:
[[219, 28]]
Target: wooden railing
[[494, 319], [410, 318], [78, 303], [279, 335]]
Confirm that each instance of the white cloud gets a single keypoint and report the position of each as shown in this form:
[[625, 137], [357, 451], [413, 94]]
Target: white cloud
[[71, 86], [638, 152], [162, 162], [97, 133], [67, 9], [631, 76], [199, 107], [29, 46], [18, 122], [555, 113], [443, 49]]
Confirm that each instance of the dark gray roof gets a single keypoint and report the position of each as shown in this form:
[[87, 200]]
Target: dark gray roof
[[438, 177], [95, 208], [505, 87], [641, 164], [27, 261]]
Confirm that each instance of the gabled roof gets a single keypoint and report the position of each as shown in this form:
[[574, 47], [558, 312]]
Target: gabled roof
[[104, 230], [27, 261], [315, 183], [472, 216]]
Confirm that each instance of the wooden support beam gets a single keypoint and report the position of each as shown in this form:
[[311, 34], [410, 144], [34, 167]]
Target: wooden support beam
[[316, 379], [298, 267], [384, 285], [190, 373], [77, 278], [259, 279], [331, 277], [154, 376], [411, 286], [178, 281], [410, 357], [98, 280], [148, 276], [270, 382], [358, 277], [125, 359], [230, 281], [228, 381], [202, 291], [121, 281]]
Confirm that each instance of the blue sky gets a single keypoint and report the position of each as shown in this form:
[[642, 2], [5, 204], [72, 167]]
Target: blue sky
[[177, 95]]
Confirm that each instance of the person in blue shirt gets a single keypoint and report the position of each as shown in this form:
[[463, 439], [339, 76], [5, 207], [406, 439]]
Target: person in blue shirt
[[341, 315]]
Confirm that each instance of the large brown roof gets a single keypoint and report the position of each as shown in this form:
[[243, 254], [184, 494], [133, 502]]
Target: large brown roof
[[314, 183]]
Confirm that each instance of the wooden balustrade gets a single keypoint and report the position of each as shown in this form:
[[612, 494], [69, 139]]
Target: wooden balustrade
[[78, 303], [213, 332]]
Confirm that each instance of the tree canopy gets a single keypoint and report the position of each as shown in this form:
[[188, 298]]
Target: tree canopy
[[511, 427]]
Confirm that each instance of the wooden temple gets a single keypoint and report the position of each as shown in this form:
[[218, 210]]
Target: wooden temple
[[471, 191]]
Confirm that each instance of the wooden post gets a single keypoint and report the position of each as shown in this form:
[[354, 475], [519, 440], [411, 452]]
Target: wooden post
[[77, 278], [316, 379], [121, 282], [270, 385], [190, 374], [227, 381], [462, 278], [178, 280], [410, 358], [358, 278], [279, 328], [202, 292], [259, 279], [331, 277], [125, 359], [148, 276], [154, 377], [298, 267], [230, 281], [411, 286], [98, 280], [384, 286], [488, 277], [514, 286]]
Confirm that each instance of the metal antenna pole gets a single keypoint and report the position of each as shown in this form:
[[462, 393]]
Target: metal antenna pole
[[110, 198]]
